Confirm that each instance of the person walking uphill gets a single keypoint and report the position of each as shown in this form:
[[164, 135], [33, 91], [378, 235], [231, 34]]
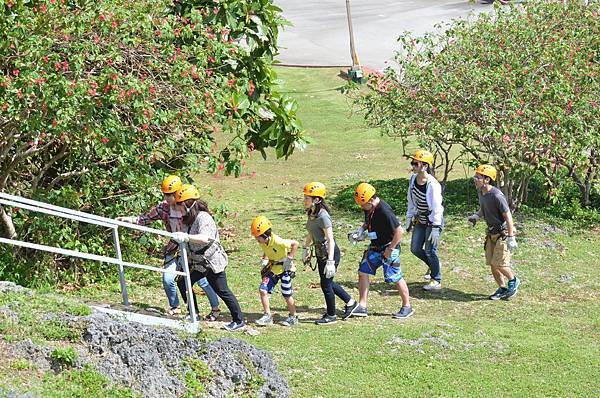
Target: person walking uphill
[[277, 264], [206, 255], [171, 216], [383, 229], [424, 216], [320, 235], [500, 238]]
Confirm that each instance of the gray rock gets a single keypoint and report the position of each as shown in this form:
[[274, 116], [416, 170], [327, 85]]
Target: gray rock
[[11, 394], [11, 287]]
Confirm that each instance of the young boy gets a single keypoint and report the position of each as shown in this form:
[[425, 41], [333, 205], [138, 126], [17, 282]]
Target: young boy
[[500, 238], [277, 264]]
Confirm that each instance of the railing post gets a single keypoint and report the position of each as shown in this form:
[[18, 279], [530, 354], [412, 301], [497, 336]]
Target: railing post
[[188, 283], [121, 269]]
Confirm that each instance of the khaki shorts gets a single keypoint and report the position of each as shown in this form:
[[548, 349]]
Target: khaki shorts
[[497, 254]]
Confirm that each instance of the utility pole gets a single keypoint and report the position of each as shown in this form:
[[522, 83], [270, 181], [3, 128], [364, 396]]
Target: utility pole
[[355, 72]]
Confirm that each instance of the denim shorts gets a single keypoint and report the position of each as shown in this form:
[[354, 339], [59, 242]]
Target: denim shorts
[[372, 260]]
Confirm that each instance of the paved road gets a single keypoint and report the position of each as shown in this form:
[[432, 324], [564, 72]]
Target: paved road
[[320, 32]]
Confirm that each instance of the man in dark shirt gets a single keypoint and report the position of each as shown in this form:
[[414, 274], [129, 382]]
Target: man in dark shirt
[[500, 238], [381, 226]]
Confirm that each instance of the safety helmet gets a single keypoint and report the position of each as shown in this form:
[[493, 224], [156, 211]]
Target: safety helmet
[[171, 184], [260, 225], [486, 170], [423, 156], [186, 192], [363, 193], [314, 189]]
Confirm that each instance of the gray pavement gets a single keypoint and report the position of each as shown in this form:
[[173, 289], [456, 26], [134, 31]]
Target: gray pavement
[[320, 32]]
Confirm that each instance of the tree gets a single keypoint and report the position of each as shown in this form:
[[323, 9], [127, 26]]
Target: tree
[[99, 98], [516, 88]]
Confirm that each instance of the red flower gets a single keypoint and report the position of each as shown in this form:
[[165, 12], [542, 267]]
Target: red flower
[[104, 140], [16, 72], [221, 167]]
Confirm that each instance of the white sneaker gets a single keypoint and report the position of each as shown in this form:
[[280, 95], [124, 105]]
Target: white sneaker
[[188, 318], [433, 285], [427, 276], [265, 320]]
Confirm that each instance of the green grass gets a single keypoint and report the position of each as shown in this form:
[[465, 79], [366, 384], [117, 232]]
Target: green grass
[[542, 343]]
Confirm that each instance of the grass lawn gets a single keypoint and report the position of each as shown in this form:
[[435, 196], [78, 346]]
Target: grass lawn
[[544, 342]]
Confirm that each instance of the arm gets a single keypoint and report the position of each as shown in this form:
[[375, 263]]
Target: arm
[[435, 202], [330, 242], [395, 241], [510, 229], [294, 248]]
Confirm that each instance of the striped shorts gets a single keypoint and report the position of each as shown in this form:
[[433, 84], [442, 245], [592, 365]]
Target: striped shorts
[[270, 281]]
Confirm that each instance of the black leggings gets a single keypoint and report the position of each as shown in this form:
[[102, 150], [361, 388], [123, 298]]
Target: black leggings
[[329, 287], [219, 283]]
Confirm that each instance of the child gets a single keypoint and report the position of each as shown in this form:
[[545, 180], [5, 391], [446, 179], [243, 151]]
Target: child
[[277, 264]]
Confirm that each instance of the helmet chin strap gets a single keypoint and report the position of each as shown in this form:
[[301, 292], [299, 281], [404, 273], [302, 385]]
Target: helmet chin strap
[[188, 209]]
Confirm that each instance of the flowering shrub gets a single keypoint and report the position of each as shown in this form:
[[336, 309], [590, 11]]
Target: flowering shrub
[[517, 88], [100, 99]]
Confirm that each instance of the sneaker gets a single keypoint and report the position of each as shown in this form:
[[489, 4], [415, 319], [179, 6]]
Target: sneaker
[[212, 316], [326, 320], [359, 311], [349, 309], [291, 320], [513, 286], [232, 327], [499, 293], [404, 312], [265, 320], [427, 275], [432, 285]]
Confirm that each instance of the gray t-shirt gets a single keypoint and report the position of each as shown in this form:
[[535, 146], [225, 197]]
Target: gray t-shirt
[[492, 205], [316, 225]]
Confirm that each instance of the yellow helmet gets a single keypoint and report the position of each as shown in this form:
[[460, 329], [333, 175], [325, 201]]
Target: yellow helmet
[[186, 192], [314, 189], [260, 225], [171, 184], [363, 193], [486, 170], [423, 156]]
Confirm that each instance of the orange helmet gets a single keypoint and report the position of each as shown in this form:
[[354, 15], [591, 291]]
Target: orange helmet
[[363, 193], [186, 192], [486, 170], [171, 184], [314, 189], [423, 156], [260, 225]]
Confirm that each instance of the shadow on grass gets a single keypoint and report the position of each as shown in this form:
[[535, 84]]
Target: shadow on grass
[[416, 291]]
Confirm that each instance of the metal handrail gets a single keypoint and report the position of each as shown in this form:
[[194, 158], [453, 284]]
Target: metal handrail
[[63, 212]]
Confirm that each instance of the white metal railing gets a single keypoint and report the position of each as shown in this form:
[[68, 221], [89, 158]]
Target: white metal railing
[[41, 207]]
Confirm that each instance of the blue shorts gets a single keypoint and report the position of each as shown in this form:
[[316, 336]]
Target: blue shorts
[[270, 281], [391, 267]]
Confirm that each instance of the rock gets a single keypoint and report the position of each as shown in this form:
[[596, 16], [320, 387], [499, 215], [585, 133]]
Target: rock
[[11, 394], [11, 287]]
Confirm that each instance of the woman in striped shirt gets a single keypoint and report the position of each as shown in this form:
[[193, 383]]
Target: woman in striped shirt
[[425, 216]]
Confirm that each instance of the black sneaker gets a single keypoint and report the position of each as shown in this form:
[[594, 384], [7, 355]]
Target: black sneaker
[[499, 293], [349, 309], [359, 311], [233, 326], [326, 320], [404, 313]]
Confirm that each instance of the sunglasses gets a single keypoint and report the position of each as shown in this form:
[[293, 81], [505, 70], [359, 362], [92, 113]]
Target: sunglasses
[[413, 163], [478, 177]]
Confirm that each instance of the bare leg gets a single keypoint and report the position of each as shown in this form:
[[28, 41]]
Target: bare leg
[[507, 272], [498, 277], [264, 299], [404, 294], [291, 304], [363, 288]]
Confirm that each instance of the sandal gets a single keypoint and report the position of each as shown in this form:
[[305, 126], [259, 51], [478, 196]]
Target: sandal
[[174, 311], [212, 316]]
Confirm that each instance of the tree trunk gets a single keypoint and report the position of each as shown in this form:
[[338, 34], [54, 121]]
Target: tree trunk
[[8, 228]]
